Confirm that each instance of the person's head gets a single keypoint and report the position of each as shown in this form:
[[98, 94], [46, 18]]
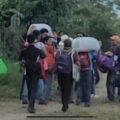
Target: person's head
[[61, 33], [44, 33], [30, 38], [100, 42], [115, 39], [36, 33], [67, 44], [80, 34], [47, 40]]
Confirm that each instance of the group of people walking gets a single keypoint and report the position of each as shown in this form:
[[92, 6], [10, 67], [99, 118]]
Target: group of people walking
[[44, 56]]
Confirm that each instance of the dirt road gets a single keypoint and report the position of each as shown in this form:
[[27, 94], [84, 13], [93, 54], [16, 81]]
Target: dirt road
[[14, 110]]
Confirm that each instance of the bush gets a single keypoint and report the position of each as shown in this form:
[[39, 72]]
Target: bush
[[10, 83]]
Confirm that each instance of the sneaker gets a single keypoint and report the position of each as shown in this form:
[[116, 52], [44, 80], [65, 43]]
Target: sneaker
[[92, 95], [96, 96], [31, 110], [43, 102], [64, 109], [71, 102], [24, 102], [87, 105], [78, 102]]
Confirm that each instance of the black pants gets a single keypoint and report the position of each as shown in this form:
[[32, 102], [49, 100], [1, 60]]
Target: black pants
[[111, 85], [111, 89], [32, 84], [65, 82]]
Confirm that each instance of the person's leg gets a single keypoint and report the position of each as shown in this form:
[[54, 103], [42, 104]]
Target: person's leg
[[61, 85], [62, 80], [25, 93], [97, 76], [48, 89], [67, 91], [41, 92], [118, 93], [87, 87], [79, 92], [92, 88], [33, 85], [110, 87], [28, 81], [72, 94]]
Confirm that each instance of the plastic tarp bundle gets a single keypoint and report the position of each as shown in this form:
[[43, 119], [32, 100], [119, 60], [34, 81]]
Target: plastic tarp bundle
[[40, 27], [3, 68], [85, 44]]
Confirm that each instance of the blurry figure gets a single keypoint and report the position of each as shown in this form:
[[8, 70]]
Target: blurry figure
[[50, 62], [114, 50]]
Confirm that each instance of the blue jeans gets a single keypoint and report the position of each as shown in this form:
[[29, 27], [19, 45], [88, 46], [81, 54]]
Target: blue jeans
[[48, 87], [24, 89], [84, 87], [41, 91]]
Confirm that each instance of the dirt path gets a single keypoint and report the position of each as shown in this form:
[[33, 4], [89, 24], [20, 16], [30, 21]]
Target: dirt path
[[14, 110]]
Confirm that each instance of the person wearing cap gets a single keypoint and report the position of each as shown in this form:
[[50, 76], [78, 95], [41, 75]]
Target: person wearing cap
[[114, 50]]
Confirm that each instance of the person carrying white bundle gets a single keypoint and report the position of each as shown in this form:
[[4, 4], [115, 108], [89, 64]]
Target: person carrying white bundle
[[85, 48]]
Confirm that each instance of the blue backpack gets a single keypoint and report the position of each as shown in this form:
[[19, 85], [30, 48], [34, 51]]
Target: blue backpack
[[64, 62]]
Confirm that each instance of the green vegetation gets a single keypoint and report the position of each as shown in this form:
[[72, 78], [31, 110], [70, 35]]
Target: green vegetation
[[94, 17], [10, 83]]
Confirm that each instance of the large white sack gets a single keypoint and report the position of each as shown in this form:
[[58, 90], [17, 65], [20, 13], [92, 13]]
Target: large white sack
[[40, 27], [85, 44]]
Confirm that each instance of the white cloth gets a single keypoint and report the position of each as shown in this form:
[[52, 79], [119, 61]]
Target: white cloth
[[39, 45], [85, 44], [76, 73]]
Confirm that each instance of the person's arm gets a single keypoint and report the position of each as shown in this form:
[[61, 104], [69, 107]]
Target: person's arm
[[44, 51], [76, 59], [42, 54], [21, 60]]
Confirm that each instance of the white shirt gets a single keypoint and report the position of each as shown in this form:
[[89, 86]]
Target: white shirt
[[39, 45]]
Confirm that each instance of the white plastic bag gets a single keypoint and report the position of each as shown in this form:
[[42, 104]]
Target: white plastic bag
[[85, 44], [40, 27]]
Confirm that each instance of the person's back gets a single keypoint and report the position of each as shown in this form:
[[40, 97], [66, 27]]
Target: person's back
[[84, 85], [115, 50], [65, 78], [30, 57]]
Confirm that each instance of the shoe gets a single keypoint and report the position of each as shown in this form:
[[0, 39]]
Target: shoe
[[31, 110], [64, 109], [24, 102], [87, 105], [71, 102], [94, 96], [77, 102], [43, 102]]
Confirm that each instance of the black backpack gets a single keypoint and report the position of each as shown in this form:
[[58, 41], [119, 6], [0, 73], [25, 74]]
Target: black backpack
[[32, 67], [64, 62]]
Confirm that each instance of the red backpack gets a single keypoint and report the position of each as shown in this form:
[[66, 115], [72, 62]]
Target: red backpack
[[84, 60], [49, 61]]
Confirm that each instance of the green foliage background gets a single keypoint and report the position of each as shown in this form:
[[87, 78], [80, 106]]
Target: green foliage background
[[94, 17]]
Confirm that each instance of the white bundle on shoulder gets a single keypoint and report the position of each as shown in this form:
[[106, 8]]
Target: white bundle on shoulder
[[85, 44], [40, 27]]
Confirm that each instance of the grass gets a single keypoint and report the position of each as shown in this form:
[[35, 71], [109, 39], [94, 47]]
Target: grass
[[10, 83]]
